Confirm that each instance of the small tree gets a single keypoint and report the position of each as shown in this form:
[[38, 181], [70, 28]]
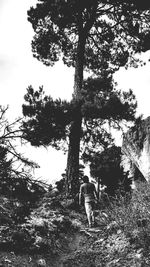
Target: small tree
[[105, 166], [15, 178]]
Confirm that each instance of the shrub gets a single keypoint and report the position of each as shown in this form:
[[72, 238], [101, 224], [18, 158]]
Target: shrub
[[131, 215]]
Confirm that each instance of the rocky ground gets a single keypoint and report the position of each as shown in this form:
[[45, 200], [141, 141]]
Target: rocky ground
[[56, 235]]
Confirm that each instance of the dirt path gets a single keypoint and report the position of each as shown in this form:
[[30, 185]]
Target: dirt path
[[77, 248], [80, 251]]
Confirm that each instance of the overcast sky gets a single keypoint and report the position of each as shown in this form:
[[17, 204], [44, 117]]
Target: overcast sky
[[18, 70]]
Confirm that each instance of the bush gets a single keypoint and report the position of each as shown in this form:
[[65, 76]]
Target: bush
[[131, 215]]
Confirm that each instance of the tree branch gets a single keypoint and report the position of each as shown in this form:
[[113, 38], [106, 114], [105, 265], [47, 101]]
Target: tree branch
[[92, 16]]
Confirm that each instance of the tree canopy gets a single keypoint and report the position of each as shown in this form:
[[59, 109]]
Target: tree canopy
[[48, 121], [110, 32], [95, 36]]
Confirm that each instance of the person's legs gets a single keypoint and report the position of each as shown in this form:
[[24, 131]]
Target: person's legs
[[92, 213], [88, 209]]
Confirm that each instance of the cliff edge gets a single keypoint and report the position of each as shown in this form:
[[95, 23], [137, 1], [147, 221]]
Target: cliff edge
[[136, 149]]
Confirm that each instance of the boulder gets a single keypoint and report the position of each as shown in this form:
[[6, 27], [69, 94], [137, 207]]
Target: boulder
[[136, 149]]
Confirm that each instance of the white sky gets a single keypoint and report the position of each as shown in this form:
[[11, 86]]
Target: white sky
[[18, 70]]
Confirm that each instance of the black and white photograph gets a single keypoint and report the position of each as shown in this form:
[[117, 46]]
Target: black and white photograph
[[74, 133]]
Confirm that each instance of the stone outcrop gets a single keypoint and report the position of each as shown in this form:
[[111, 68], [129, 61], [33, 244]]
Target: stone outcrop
[[136, 149]]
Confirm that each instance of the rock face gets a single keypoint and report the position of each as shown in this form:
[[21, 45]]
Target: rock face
[[136, 149]]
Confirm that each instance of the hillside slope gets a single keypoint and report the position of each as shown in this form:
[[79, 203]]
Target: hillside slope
[[56, 235]]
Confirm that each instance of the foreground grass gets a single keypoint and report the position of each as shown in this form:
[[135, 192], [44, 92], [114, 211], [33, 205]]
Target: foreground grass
[[127, 224]]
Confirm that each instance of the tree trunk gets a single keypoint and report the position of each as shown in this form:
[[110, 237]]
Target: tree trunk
[[75, 129], [73, 157]]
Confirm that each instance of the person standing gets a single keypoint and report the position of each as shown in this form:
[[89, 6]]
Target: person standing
[[88, 191]]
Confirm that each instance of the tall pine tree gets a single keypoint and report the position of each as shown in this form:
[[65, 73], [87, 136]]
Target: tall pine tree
[[94, 35]]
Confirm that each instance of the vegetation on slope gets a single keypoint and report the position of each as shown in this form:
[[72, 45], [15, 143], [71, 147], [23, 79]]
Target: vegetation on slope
[[55, 233]]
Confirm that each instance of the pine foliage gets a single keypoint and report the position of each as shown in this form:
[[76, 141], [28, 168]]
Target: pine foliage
[[113, 31], [98, 37]]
